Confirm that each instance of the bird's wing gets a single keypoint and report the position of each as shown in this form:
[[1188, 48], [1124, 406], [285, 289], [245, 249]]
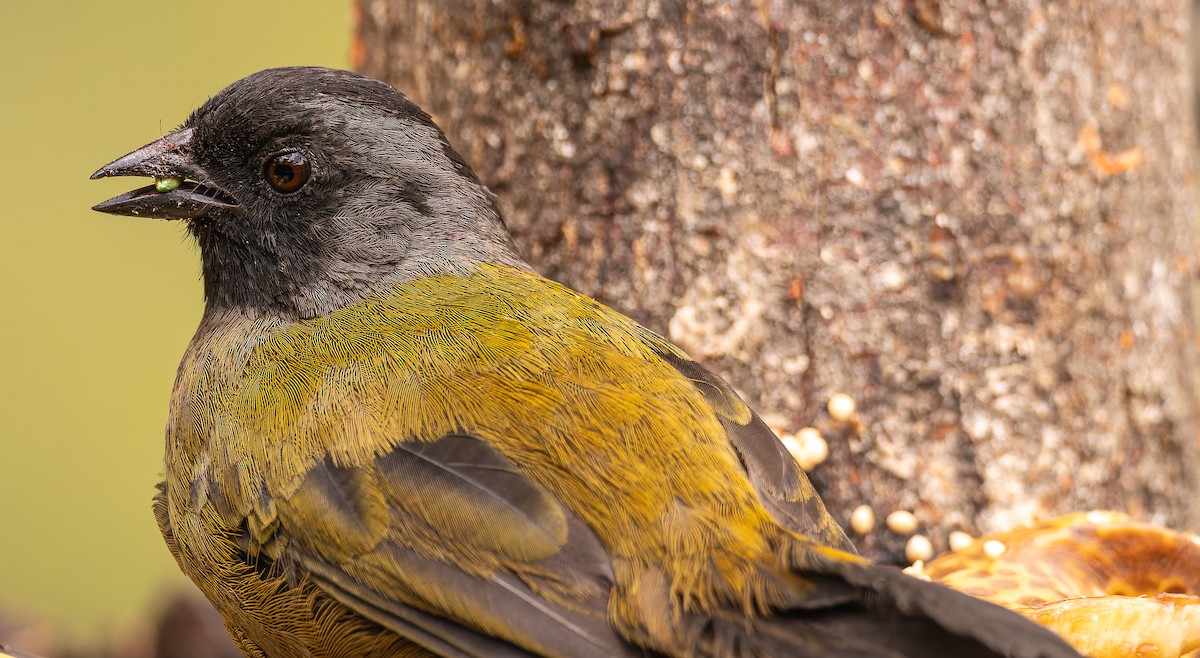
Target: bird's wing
[[782, 487], [450, 545]]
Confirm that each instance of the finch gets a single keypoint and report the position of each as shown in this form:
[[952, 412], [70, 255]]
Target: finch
[[391, 437]]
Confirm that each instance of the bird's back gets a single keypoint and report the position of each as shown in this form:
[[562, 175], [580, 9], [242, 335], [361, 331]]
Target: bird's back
[[493, 464]]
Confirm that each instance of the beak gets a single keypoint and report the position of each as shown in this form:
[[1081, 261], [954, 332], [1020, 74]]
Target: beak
[[166, 158]]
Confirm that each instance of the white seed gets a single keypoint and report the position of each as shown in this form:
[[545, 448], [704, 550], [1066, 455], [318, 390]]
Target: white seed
[[902, 522], [917, 570], [792, 444], [862, 519], [808, 434], [918, 548], [814, 444], [994, 548], [960, 540], [798, 449], [808, 448], [808, 462], [842, 407]]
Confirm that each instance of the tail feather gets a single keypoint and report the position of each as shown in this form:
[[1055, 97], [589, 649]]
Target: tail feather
[[854, 609], [921, 618], [867, 629]]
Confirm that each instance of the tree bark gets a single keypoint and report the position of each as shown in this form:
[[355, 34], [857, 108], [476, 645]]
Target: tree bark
[[973, 217]]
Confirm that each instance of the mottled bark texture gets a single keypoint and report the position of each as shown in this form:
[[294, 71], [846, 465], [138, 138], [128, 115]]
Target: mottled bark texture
[[973, 217]]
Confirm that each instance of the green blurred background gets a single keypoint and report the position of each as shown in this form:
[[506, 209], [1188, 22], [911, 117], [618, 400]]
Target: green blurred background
[[97, 308]]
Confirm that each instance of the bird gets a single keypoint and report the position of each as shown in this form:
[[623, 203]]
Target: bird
[[389, 436]]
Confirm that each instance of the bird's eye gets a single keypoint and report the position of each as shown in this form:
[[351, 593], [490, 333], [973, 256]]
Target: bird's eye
[[287, 172]]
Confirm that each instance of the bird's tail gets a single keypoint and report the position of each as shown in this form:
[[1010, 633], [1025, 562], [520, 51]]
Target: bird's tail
[[868, 609]]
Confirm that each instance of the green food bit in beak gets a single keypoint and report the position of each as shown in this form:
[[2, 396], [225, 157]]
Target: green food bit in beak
[[166, 184]]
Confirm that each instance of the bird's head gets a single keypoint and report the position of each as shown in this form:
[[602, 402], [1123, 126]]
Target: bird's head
[[309, 189]]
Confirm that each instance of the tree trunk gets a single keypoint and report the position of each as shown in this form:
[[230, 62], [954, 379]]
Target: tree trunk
[[973, 217]]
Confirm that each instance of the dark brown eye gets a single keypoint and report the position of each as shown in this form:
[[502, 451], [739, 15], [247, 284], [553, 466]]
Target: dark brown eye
[[287, 172]]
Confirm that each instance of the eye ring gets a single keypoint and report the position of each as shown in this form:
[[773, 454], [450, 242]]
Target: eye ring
[[287, 172]]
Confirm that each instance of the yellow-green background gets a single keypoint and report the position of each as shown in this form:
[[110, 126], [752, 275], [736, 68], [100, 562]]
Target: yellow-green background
[[95, 310]]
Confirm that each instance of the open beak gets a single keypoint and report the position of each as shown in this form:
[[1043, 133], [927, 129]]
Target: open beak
[[182, 189]]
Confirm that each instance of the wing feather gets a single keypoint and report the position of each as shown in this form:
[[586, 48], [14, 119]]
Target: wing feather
[[782, 487], [469, 558]]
